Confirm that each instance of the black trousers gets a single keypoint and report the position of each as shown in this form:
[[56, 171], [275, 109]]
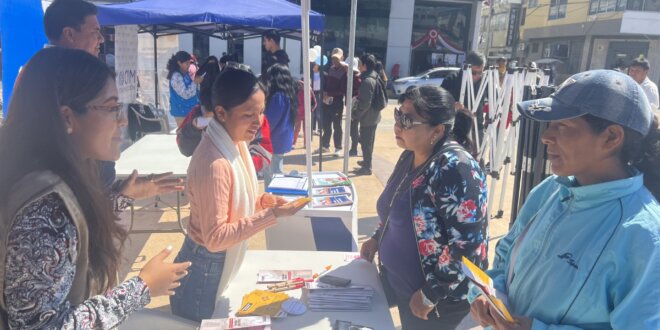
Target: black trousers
[[355, 134], [332, 114], [316, 116], [449, 314], [367, 140]]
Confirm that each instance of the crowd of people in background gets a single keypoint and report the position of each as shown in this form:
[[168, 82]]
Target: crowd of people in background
[[583, 252]]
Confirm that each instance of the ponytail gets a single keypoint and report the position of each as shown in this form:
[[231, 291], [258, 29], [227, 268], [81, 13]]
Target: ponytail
[[173, 62], [640, 151], [648, 160], [462, 129]]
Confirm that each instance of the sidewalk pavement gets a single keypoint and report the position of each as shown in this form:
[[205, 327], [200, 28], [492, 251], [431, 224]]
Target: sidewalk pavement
[[141, 247]]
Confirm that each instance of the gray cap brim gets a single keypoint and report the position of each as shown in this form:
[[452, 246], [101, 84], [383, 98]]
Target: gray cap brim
[[548, 109]]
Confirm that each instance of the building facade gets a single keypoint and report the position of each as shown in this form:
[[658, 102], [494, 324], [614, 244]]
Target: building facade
[[411, 35], [594, 34], [500, 29]]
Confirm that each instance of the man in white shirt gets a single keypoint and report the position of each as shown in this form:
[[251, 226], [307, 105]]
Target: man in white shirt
[[639, 70]]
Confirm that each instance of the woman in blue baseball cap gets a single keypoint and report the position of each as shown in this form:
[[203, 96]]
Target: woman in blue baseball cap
[[585, 248]]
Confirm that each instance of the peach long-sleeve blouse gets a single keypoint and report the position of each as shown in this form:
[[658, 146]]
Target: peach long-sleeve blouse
[[210, 186]]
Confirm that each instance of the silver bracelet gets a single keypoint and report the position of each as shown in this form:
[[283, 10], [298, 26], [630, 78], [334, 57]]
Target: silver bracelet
[[426, 301]]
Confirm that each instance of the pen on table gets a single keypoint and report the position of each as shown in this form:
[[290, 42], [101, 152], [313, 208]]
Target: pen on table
[[327, 268], [288, 287]]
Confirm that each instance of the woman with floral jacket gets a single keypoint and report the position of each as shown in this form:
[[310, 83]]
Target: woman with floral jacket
[[433, 212]]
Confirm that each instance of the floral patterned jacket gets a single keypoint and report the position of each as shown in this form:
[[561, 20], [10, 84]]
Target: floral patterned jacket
[[449, 202]]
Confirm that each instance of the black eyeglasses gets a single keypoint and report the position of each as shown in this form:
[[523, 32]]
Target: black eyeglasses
[[405, 121], [119, 110]]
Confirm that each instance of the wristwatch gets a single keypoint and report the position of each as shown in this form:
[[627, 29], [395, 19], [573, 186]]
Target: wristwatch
[[426, 301]]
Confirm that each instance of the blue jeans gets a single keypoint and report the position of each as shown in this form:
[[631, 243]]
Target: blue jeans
[[195, 298], [276, 166]]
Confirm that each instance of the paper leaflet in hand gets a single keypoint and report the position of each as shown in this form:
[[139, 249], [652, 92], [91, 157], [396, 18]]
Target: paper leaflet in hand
[[481, 280]]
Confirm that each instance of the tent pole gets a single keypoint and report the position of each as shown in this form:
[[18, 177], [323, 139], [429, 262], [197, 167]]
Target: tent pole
[[155, 67], [304, 16], [319, 103], [349, 84]]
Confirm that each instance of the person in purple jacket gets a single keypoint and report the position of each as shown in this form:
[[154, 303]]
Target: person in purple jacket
[[281, 109]]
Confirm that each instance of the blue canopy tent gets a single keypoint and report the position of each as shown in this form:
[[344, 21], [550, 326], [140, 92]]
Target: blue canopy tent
[[22, 34], [223, 19]]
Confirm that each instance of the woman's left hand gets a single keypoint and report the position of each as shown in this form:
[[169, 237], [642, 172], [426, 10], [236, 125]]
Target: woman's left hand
[[521, 322], [270, 200], [154, 184], [417, 306]]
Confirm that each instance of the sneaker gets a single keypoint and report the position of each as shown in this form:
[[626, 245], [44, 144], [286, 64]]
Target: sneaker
[[352, 153], [325, 150], [362, 171], [338, 153]]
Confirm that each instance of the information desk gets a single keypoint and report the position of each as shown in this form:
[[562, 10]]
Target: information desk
[[317, 229], [359, 271], [154, 154]]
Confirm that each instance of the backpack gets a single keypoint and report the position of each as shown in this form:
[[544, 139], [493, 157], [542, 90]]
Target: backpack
[[379, 101]]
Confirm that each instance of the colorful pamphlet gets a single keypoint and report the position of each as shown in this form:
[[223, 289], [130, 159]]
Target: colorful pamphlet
[[482, 281], [329, 201], [329, 191], [330, 180], [262, 303]]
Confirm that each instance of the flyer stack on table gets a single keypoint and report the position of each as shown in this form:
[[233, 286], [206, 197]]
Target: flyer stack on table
[[318, 227]]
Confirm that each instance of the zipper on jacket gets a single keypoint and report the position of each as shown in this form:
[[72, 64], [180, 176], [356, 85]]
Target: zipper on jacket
[[421, 266], [569, 199]]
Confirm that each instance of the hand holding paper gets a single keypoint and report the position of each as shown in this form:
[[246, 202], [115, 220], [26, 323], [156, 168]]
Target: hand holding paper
[[481, 280]]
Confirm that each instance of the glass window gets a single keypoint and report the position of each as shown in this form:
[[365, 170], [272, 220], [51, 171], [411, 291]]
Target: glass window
[[439, 73], [557, 9], [604, 6], [440, 32], [533, 3], [373, 17]]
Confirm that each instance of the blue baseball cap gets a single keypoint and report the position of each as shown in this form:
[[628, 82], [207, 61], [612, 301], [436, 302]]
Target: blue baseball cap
[[606, 94]]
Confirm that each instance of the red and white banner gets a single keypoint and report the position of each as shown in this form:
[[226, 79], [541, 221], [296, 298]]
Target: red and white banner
[[432, 37]]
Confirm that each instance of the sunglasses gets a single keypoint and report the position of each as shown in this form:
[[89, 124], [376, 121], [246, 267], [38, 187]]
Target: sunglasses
[[405, 121]]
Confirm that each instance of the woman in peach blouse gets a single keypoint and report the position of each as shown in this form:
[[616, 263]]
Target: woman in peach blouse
[[225, 209]]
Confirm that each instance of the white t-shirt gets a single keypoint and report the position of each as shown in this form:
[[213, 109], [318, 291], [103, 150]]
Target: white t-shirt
[[317, 82], [651, 91]]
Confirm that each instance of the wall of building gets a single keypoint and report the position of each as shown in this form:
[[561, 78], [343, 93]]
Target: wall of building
[[399, 36]]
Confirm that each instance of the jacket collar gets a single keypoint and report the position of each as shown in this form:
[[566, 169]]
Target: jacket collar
[[601, 192]]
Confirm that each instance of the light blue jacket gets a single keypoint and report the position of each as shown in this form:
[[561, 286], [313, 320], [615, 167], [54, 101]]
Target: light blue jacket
[[590, 258]]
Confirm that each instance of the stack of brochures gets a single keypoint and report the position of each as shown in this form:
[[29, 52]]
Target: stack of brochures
[[325, 297], [331, 189]]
